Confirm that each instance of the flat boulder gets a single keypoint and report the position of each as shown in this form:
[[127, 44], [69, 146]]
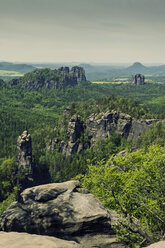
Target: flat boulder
[[25, 240], [160, 244]]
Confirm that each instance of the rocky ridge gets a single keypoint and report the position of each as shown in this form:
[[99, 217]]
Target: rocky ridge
[[49, 78], [98, 126]]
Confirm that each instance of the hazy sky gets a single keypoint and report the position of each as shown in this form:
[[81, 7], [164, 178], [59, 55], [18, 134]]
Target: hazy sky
[[82, 30]]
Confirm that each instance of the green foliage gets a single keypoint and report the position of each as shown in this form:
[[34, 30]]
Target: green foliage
[[155, 135], [42, 75], [133, 185], [101, 105], [11, 198], [7, 177]]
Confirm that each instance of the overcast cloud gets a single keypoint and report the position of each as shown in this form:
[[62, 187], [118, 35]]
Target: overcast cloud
[[82, 30]]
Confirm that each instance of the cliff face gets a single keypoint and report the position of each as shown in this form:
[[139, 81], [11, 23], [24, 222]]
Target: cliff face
[[48, 78], [98, 126]]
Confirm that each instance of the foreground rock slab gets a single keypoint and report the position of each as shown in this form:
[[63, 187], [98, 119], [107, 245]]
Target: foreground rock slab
[[63, 210], [25, 240], [160, 244]]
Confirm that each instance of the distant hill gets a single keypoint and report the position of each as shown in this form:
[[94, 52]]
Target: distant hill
[[137, 67], [100, 72], [22, 68]]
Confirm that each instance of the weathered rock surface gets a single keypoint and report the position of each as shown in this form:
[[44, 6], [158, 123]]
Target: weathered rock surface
[[19, 240], [24, 152], [98, 126], [64, 210], [160, 244], [74, 131], [139, 127], [73, 144], [79, 72]]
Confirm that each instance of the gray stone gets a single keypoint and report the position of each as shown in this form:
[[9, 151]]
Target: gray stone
[[138, 79], [25, 240], [101, 126], [79, 72], [98, 126], [139, 127], [24, 152], [160, 244], [63, 210], [74, 132]]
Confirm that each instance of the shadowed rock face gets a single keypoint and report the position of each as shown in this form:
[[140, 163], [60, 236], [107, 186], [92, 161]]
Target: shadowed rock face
[[98, 126], [64, 210], [79, 72], [24, 152]]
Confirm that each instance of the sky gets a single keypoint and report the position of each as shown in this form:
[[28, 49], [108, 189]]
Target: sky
[[100, 31]]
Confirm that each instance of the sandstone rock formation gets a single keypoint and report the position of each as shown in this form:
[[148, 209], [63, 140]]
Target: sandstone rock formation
[[24, 152], [138, 79], [160, 244], [74, 131], [139, 127], [64, 210], [25, 240], [98, 126], [79, 72], [57, 78]]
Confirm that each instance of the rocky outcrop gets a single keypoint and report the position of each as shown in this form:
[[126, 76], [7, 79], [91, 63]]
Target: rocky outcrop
[[138, 127], [57, 78], [73, 144], [79, 72], [24, 152], [138, 79], [19, 240], [100, 126], [64, 210], [160, 244], [74, 131]]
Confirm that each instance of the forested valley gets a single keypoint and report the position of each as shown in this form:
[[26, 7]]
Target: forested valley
[[127, 175]]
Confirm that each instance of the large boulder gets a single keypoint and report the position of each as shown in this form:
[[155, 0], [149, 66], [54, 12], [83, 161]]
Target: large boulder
[[64, 210]]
